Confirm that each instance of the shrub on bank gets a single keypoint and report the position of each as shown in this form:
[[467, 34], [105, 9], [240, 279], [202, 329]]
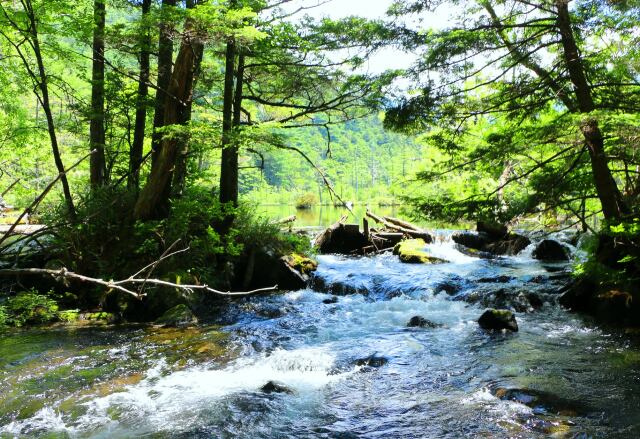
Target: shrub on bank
[[306, 201], [107, 243], [28, 308]]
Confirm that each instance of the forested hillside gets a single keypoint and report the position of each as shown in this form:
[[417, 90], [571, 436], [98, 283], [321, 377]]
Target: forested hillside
[[363, 161]]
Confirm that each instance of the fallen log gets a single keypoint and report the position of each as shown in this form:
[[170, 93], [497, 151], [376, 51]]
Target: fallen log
[[402, 223], [283, 221], [418, 234]]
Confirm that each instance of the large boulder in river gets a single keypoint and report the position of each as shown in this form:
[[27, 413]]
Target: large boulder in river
[[511, 244], [290, 272], [492, 229], [412, 251], [498, 319], [473, 240], [508, 244], [551, 250]]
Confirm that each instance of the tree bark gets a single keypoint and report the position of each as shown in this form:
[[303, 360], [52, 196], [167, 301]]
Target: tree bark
[[97, 120], [229, 164], [613, 206], [165, 67], [154, 198], [137, 147]]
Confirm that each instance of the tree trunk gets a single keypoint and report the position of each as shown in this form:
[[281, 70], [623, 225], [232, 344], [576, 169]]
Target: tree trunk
[[613, 206], [165, 67], [154, 198], [41, 81], [229, 165], [97, 128], [136, 151]]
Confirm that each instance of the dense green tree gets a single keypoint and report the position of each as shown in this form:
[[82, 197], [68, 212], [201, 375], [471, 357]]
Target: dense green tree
[[517, 61]]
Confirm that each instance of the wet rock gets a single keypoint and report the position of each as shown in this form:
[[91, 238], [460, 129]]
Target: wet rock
[[372, 361], [421, 322], [273, 387], [412, 251], [450, 287], [511, 245], [497, 279], [550, 250], [471, 240], [290, 272], [330, 300], [535, 300], [541, 401], [493, 229], [179, 315], [498, 319], [497, 244]]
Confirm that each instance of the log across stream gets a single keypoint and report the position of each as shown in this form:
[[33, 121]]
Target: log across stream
[[337, 360]]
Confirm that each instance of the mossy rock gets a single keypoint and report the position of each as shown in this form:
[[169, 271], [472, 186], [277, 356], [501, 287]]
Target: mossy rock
[[179, 315], [412, 251], [301, 263]]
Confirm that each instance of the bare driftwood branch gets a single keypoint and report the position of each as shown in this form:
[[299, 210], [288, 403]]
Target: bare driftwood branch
[[122, 285]]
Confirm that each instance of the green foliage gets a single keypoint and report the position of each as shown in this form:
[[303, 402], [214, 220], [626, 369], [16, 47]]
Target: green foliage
[[28, 308]]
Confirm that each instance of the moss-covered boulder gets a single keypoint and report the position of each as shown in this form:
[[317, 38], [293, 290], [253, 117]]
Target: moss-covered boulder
[[179, 315], [412, 251], [498, 319]]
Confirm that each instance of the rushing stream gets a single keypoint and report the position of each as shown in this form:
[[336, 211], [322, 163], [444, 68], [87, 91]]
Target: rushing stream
[[454, 380]]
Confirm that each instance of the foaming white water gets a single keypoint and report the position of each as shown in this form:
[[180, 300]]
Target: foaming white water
[[44, 419], [445, 249], [173, 400]]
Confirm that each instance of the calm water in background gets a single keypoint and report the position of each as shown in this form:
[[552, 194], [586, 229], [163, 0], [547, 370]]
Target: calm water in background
[[324, 216]]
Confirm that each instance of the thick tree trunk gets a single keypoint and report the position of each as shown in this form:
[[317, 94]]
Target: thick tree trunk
[[137, 147], [97, 128], [613, 206], [154, 198], [165, 67], [229, 165]]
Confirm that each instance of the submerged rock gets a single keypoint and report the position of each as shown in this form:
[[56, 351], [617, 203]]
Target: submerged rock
[[273, 387], [330, 300], [541, 401], [421, 322], [498, 319], [412, 251], [179, 315], [550, 250], [372, 361]]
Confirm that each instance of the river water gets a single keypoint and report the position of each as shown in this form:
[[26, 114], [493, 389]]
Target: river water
[[573, 379]]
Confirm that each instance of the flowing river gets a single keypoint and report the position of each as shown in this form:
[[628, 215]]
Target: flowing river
[[559, 376]]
